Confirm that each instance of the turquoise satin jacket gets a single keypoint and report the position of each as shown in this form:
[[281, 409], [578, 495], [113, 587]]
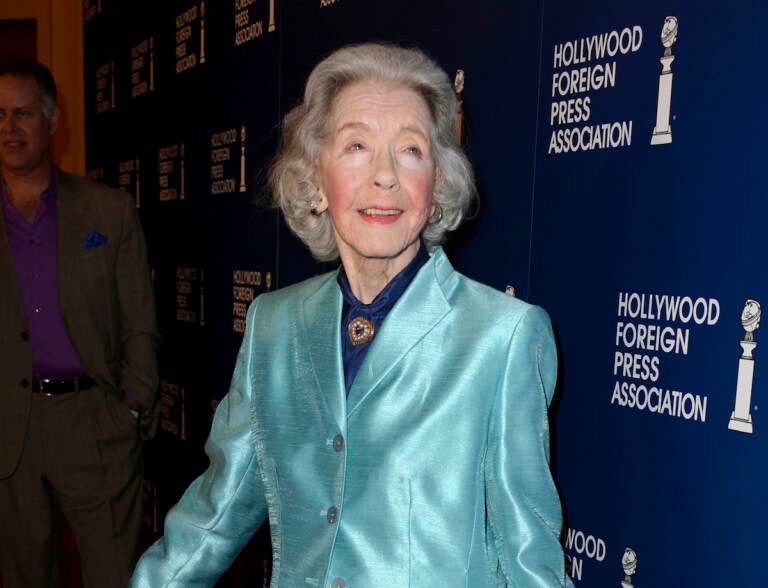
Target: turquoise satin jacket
[[434, 472]]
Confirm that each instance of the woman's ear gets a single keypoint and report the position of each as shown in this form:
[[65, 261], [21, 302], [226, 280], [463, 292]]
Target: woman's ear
[[321, 203]]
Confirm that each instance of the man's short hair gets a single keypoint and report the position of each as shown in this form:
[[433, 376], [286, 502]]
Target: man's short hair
[[27, 68]]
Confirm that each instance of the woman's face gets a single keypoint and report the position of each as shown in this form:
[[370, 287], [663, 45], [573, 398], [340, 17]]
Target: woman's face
[[377, 172]]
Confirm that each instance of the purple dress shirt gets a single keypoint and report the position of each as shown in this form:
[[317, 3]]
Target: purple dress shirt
[[33, 249]]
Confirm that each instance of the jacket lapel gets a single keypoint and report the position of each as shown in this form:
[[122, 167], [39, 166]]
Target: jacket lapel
[[321, 322], [422, 306], [9, 284], [70, 210], [7, 270]]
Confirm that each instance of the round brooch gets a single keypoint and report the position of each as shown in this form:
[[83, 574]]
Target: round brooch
[[360, 330]]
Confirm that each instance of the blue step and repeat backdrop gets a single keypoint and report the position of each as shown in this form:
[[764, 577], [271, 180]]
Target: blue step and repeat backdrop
[[619, 155]]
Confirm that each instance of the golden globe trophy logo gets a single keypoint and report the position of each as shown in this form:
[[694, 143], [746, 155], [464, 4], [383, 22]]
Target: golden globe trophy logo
[[741, 419], [662, 132], [458, 88], [105, 87], [629, 565], [190, 33], [143, 67], [129, 179]]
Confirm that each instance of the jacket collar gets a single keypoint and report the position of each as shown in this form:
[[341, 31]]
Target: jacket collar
[[321, 316], [7, 271], [422, 306], [70, 208]]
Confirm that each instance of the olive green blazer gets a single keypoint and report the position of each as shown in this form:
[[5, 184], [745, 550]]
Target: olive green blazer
[[106, 301]]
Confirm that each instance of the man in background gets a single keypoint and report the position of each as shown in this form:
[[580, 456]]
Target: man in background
[[78, 340]]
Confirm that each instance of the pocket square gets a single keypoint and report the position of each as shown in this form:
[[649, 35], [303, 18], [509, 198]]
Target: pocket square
[[94, 238]]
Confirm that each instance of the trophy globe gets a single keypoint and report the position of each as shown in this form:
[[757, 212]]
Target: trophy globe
[[669, 33], [750, 318], [662, 132], [741, 419], [629, 565]]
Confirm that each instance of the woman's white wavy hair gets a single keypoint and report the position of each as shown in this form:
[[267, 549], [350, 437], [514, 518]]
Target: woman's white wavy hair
[[292, 175]]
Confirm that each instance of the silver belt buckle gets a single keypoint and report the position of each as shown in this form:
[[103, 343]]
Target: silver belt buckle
[[44, 381]]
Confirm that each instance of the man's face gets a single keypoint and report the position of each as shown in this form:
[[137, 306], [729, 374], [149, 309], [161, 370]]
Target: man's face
[[25, 130]]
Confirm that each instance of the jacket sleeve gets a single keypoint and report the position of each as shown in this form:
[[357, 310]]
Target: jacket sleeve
[[139, 336], [524, 508], [221, 509]]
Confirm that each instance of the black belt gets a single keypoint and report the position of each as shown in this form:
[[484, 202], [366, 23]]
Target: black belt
[[53, 386]]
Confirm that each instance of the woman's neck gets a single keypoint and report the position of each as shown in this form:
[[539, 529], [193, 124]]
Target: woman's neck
[[367, 276]]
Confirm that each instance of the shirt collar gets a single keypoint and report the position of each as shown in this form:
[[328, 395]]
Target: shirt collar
[[3, 192], [50, 192], [46, 195], [372, 314], [386, 299]]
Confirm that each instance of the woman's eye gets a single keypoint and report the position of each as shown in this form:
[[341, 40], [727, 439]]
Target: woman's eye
[[355, 147], [413, 150]]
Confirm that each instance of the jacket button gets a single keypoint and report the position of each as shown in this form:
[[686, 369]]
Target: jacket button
[[332, 515], [24, 336], [24, 383], [338, 583], [338, 443]]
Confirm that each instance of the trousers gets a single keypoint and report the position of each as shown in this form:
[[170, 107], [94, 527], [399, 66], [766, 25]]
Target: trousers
[[82, 458]]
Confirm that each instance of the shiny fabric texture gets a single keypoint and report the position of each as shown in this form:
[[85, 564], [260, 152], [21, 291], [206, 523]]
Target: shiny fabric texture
[[434, 472], [352, 356]]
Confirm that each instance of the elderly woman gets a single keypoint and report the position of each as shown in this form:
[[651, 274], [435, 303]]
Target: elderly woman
[[388, 418]]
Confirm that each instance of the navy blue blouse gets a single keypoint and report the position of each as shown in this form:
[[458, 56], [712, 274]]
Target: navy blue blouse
[[375, 312]]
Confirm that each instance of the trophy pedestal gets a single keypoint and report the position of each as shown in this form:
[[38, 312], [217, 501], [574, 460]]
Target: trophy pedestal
[[741, 425], [271, 25], [662, 132], [625, 584], [662, 138], [741, 419]]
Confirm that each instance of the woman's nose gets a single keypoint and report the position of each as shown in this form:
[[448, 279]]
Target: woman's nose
[[385, 173]]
